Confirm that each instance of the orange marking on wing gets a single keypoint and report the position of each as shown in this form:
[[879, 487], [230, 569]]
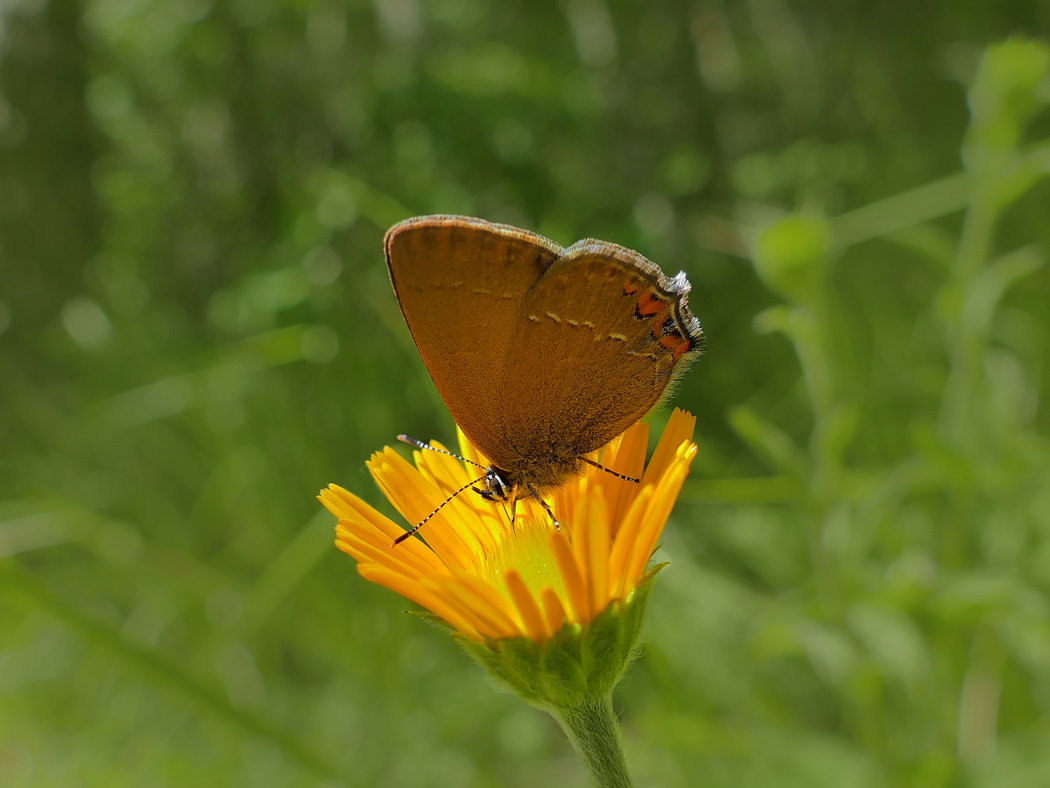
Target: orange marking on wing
[[671, 341], [683, 348], [658, 327], [649, 304], [629, 288]]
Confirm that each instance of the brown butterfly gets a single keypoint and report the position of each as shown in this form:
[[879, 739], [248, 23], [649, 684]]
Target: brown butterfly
[[542, 354]]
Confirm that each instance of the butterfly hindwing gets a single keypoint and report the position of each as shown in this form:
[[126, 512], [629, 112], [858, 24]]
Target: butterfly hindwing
[[602, 335]]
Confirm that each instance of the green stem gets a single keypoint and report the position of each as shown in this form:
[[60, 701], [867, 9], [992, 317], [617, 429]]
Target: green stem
[[595, 733], [965, 348]]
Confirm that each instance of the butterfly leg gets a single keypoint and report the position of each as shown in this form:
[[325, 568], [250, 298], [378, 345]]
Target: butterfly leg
[[543, 503]]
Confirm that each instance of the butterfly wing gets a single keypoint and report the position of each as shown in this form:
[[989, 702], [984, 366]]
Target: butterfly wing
[[603, 334], [461, 283]]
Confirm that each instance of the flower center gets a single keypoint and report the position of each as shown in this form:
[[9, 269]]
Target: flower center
[[525, 547]]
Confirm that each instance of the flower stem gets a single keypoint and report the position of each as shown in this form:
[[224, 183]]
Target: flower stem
[[595, 733]]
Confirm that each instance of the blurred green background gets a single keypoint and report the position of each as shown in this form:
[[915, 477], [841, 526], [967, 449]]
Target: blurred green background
[[197, 333]]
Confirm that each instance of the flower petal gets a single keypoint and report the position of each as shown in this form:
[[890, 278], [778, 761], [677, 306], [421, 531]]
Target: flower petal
[[531, 615], [553, 609], [652, 525], [626, 539], [498, 617], [628, 458], [591, 546], [416, 498], [571, 576], [357, 516], [416, 559], [423, 596], [679, 429]]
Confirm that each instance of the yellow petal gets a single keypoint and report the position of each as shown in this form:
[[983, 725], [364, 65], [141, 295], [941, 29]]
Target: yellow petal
[[597, 547], [424, 597], [571, 576], [679, 430], [626, 539], [652, 526], [466, 448], [417, 498], [498, 617], [531, 615], [553, 610], [354, 514], [419, 562], [629, 460]]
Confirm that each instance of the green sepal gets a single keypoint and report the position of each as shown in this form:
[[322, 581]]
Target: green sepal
[[578, 664], [432, 619], [560, 668], [602, 652], [635, 614]]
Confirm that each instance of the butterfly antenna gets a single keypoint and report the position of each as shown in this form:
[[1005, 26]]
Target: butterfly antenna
[[420, 445], [440, 506], [614, 473]]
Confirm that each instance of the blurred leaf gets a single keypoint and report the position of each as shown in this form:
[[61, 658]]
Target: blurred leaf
[[771, 443]]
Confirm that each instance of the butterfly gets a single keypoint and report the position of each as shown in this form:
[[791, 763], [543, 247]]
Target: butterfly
[[542, 354]]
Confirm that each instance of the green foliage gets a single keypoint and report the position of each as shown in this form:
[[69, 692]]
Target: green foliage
[[197, 333]]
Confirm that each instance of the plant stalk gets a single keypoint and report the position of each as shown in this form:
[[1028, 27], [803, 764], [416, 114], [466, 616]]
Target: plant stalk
[[594, 732]]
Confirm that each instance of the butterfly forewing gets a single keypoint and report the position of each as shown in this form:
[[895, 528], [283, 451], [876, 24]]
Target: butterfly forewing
[[461, 284]]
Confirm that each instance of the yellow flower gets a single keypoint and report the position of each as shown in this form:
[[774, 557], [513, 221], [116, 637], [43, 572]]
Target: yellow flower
[[492, 581]]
